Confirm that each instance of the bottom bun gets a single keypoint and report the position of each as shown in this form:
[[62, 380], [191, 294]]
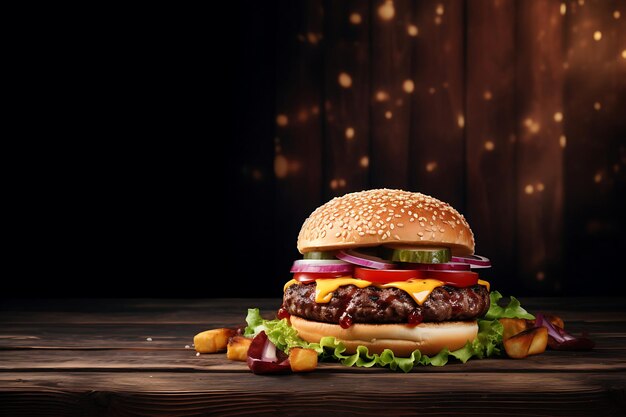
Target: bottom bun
[[402, 339]]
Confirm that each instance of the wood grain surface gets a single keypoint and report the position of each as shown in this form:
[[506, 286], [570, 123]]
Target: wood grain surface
[[93, 357]]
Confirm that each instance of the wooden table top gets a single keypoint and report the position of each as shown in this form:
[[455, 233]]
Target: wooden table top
[[130, 358]]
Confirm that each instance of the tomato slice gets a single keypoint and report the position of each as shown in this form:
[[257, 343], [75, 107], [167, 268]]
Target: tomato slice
[[386, 275], [460, 279], [306, 277]]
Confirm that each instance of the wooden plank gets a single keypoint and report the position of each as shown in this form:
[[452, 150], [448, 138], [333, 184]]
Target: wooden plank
[[490, 126], [244, 394], [176, 360], [232, 311], [298, 141], [437, 144], [539, 106], [134, 311], [178, 336], [102, 336], [347, 97], [177, 310], [393, 85], [594, 145]]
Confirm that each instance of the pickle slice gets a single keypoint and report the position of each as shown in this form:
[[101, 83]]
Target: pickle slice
[[419, 254], [329, 254]]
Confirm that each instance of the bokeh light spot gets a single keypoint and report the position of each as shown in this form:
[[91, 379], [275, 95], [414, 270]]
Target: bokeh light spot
[[344, 80], [386, 11], [408, 86], [282, 120], [355, 19]]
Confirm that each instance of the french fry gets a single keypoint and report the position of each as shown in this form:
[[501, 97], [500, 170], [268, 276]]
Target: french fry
[[513, 327], [302, 360], [523, 344], [212, 341], [237, 348], [540, 341]]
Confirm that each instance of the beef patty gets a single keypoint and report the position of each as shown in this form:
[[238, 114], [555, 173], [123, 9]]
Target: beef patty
[[387, 305]]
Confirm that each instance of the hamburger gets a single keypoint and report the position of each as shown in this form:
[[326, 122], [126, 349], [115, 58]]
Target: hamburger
[[388, 270]]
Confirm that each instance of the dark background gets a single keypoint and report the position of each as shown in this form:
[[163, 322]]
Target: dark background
[[193, 175]]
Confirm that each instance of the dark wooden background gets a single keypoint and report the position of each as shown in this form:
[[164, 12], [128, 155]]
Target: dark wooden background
[[512, 111]]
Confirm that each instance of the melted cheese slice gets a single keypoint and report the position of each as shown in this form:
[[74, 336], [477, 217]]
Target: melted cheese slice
[[418, 289], [484, 284]]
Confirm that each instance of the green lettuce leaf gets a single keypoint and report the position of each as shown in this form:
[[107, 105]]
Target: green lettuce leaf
[[279, 332], [488, 342], [512, 310]]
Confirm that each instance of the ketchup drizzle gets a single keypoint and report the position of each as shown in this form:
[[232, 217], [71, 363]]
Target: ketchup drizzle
[[283, 313], [415, 317], [345, 320]]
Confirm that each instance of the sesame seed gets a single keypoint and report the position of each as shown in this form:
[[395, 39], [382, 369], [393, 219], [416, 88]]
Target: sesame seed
[[420, 234], [149, 339], [400, 225], [391, 226], [396, 237], [198, 354], [380, 232], [337, 234]]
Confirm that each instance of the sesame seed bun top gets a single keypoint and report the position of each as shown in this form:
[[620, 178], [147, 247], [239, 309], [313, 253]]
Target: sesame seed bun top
[[382, 217]]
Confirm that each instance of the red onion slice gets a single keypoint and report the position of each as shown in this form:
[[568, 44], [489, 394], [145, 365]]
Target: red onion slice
[[264, 358], [559, 339], [367, 261], [322, 265], [475, 261]]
